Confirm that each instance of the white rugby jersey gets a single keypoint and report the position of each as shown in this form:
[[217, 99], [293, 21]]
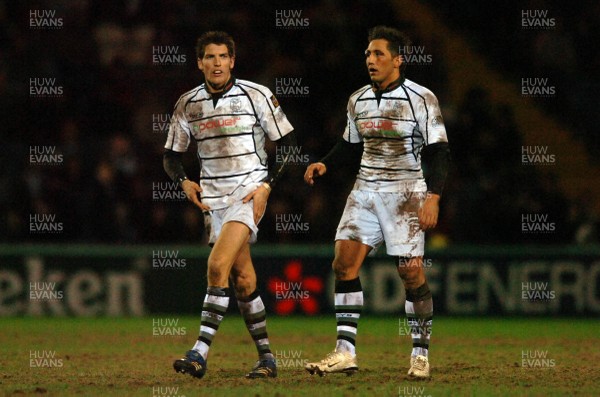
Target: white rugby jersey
[[393, 131], [230, 137]]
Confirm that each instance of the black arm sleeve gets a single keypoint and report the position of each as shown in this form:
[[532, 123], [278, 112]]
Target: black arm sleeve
[[435, 159], [281, 162], [173, 166], [343, 153]]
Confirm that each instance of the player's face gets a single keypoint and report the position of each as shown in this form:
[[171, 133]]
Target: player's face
[[383, 67], [216, 64]]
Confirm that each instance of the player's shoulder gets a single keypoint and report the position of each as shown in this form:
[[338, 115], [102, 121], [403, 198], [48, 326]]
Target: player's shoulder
[[356, 94], [417, 89], [190, 95], [250, 85]]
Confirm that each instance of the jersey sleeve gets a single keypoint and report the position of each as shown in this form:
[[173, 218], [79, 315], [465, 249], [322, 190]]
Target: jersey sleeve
[[430, 119], [271, 117], [351, 133], [179, 136]]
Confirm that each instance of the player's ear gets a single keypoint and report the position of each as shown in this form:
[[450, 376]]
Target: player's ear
[[232, 63], [398, 60], [200, 66]]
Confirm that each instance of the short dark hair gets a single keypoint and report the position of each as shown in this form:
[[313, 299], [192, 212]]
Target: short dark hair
[[214, 37], [396, 41]]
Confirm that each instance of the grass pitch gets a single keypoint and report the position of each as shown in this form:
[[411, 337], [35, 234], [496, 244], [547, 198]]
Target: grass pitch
[[469, 357]]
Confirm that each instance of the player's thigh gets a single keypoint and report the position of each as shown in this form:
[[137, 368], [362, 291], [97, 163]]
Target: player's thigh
[[359, 222], [398, 214], [233, 236]]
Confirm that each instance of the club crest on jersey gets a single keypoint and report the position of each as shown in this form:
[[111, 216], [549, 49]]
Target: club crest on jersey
[[437, 120], [275, 101], [236, 105]]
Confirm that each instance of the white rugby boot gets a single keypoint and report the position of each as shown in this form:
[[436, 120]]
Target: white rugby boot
[[335, 362]]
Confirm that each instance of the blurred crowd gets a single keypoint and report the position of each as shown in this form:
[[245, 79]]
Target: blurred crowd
[[113, 91]]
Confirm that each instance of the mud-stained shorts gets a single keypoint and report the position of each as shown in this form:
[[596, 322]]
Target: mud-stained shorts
[[238, 212], [374, 217]]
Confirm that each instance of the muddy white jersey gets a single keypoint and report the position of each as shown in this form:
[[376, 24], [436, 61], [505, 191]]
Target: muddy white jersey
[[230, 136], [394, 128]]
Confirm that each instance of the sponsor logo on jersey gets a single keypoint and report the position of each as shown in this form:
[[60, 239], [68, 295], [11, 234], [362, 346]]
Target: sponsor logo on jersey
[[219, 123], [377, 125]]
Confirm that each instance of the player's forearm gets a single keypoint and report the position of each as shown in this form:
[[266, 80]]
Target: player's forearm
[[173, 166], [280, 166], [343, 153], [436, 160]]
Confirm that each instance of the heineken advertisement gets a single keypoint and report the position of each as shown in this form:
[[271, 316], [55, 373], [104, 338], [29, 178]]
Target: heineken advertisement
[[142, 280]]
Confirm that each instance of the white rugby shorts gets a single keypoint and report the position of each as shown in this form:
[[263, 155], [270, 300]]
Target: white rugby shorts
[[237, 212], [372, 217]]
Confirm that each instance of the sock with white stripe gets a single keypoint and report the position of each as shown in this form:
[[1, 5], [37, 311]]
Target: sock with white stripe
[[255, 317], [419, 312], [214, 308], [348, 306]]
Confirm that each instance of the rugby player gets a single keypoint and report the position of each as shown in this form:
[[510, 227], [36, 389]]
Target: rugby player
[[228, 118], [393, 126]]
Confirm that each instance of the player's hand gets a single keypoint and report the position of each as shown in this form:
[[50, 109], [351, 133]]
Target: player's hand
[[313, 171], [192, 192], [260, 196], [428, 213]]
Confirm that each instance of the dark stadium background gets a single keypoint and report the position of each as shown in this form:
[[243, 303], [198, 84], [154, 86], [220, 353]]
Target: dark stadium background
[[112, 89], [102, 122]]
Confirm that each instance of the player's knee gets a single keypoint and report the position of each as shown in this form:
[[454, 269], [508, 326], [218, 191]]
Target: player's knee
[[342, 269], [216, 271], [243, 283], [411, 272]]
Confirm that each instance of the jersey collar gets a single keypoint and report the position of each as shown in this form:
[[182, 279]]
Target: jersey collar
[[228, 87], [391, 87]]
